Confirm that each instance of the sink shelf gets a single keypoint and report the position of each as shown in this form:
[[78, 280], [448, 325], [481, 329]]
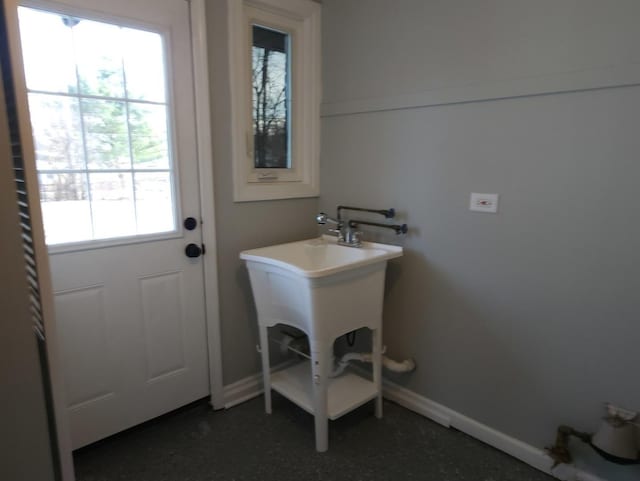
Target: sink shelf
[[344, 393]]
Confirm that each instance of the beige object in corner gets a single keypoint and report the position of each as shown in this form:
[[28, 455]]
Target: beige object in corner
[[617, 437]]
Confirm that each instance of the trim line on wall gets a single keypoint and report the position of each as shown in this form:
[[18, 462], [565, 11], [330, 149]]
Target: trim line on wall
[[608, 77]]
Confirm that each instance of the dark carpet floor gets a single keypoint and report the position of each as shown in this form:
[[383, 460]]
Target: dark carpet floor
[[243, 443]]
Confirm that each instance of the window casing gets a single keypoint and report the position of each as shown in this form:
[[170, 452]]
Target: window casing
[[275, 117]]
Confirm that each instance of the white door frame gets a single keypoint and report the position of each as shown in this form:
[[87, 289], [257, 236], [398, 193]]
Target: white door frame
[[207, 201], [207, 213]]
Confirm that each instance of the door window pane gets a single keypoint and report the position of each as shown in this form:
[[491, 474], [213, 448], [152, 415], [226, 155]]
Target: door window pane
[[149, 142], [56, 131], [98, 58], [153, 194], [66, 209], [271, 98], [112, 205], [49, 65], [100, 117], [106, 134], [144, 65]]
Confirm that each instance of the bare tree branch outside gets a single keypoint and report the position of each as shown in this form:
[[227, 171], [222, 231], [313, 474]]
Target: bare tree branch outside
[[270, 84]]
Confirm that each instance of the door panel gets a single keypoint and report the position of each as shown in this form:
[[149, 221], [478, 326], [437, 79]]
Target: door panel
[[134, 342], [129, 303], [81, 315], [163, 313]]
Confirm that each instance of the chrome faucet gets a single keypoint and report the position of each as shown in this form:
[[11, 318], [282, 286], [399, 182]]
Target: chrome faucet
[[323, 219], [347, 231]]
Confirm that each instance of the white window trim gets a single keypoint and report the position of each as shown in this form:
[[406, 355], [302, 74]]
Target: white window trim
[[306, 86]]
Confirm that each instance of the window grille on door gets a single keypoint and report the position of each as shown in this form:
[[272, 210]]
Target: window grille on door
[[99, 104], [27, 236]]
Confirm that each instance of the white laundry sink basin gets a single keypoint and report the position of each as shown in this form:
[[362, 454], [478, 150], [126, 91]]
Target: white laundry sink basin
[[321, 257], [318, 286]]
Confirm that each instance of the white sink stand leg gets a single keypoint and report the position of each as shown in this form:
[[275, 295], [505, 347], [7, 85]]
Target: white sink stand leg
[[321, 361], [376, 341], [321, 365], [266, 368]]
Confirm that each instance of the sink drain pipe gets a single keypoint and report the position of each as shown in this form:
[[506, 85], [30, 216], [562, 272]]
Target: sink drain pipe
[[407, 365], [288, 342]]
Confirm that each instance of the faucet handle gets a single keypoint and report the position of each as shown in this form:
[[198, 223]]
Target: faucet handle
[[352, 237], [338, 232]]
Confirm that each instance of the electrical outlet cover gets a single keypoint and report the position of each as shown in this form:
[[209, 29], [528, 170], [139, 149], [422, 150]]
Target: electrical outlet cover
[[484, 203]]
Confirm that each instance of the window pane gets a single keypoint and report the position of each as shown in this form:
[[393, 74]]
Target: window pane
[[65, 208], [48, 59], [154, 202], [271, 92], [107, 135], [144, 65], [56, 131], [149, 145], [112, 205], [99, 58]]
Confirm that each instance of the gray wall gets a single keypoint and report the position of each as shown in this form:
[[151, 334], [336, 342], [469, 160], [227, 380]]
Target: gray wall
[[242, 225], [526, 319], [24, 440]]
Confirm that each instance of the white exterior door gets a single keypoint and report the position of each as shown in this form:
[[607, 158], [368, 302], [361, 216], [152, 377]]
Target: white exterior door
[[112, 107]]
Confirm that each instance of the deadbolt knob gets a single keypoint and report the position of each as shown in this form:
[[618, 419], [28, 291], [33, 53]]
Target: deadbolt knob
[[190, 223]]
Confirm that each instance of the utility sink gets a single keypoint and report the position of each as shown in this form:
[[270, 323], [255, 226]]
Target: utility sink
[[326, 290], [318, 286], [321, 257]]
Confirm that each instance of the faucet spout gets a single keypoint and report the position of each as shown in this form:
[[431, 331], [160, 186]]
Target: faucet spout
[[387, 213], [398, 228], [323, 218]]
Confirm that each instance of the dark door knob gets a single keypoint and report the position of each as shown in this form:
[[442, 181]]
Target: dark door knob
[[190, 223], [193, 250]]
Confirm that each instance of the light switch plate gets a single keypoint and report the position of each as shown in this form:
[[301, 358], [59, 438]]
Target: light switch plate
[[484, 203]]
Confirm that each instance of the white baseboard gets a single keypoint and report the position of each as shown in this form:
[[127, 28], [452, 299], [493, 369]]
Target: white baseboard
[[251, 387], [248, 387], [242, 390], [526, 453]]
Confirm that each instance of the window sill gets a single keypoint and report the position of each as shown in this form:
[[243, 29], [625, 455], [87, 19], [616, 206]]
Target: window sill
[[254, 191]]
